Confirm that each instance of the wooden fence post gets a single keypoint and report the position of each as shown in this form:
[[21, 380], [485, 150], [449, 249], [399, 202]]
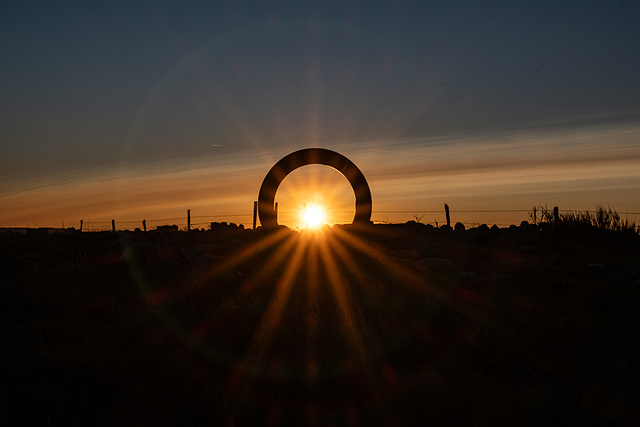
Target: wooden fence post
[[81, 226], [556, 215], [188, 219], [255, 214], [144, 224], [113, 225], [446, 212]]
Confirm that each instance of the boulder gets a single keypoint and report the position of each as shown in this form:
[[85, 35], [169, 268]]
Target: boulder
[[436, 264]]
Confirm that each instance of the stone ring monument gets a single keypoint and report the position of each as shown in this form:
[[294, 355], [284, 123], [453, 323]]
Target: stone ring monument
[[313, 156]]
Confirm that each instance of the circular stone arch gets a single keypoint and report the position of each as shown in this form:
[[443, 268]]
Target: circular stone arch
[[313, 156]]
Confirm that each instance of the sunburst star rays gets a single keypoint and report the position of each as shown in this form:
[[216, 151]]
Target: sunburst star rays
[[303, 311]]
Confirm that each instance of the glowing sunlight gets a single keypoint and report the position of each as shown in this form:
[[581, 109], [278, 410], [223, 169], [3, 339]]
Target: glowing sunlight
[[315, 195], [313, 216]]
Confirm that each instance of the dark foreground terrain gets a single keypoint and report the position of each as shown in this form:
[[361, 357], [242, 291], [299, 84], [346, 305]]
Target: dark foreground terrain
[[393, 325]]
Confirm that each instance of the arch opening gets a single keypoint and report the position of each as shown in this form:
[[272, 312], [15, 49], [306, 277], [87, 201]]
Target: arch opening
[[310, 156]]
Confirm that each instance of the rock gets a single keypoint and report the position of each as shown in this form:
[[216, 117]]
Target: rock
[[412, 254], [127, 255], [206, 248], [211, 257], [528, 248], [232, 245], [167, 228], [435, 264], [193, 257], [136, 250]]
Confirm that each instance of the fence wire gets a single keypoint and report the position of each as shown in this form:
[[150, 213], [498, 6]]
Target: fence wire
[[246, 219]]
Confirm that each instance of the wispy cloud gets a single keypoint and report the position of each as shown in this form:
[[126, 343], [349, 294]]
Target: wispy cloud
[[575, 168]]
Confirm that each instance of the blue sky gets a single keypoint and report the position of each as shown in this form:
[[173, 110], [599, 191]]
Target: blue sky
[[88, 88]]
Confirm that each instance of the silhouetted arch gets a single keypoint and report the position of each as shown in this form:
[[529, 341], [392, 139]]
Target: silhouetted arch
[[312, 156]]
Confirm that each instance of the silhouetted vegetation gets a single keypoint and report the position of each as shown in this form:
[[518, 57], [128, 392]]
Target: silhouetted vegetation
[[602, 218], [404, 324]]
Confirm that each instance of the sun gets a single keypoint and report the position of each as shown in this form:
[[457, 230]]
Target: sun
[[313, 216]]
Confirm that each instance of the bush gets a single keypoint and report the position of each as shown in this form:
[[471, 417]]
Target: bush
[[602, 218]]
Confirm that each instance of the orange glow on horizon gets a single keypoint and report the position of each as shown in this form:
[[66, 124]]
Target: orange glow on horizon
[[319, 187], [571, 169]]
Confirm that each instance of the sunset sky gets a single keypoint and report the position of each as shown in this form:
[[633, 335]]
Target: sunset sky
[[142, 110]]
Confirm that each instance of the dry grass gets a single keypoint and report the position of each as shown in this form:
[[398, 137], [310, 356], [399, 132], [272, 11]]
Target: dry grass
[[602, 218], [533, 336]]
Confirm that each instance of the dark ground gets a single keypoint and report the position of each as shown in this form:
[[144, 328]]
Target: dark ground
[[397, 325]]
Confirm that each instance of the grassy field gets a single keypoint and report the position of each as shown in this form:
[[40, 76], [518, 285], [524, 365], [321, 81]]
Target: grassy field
[[391, 324]]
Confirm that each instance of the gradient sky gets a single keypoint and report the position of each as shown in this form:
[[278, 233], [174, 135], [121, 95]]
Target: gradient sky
[[134, 110]]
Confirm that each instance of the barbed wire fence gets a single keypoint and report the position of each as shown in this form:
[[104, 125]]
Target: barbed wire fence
[[468, 217]]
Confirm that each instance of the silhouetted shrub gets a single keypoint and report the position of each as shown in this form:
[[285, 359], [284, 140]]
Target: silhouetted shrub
[[602, 218]]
